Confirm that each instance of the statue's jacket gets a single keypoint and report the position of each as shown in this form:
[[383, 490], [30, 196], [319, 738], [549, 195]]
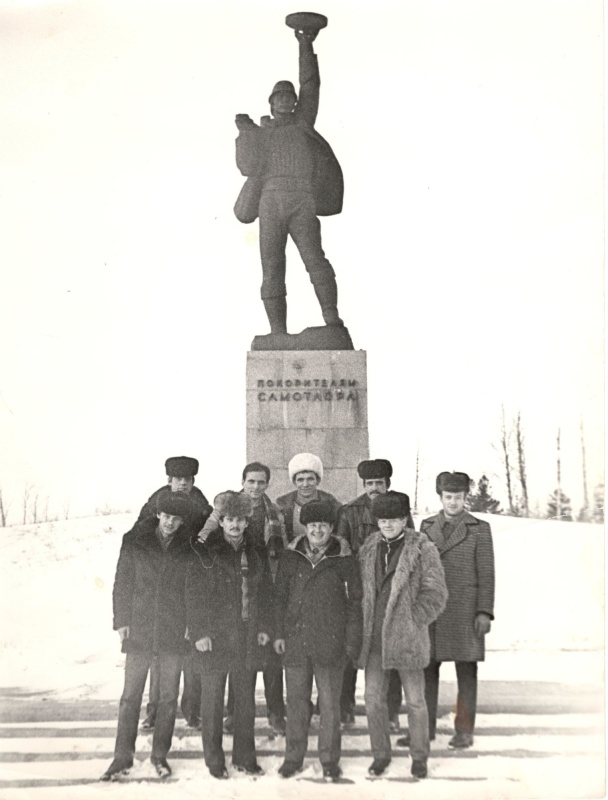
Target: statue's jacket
[[253, 143]]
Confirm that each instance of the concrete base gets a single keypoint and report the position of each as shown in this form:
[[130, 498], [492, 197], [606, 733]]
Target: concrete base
[[324, 337], [308, 401]]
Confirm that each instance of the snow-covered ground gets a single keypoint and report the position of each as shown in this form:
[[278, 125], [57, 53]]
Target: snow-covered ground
[[56, 639]]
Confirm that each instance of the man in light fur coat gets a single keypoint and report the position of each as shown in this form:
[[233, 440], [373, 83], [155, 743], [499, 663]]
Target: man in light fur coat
[[404, 591]]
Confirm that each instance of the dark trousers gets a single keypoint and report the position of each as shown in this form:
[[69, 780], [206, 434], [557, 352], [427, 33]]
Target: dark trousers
[[284, 214], [299, 688], [349, 684], [213, 687], [273, 692], [191, 695], [136, 672], [466, 702]]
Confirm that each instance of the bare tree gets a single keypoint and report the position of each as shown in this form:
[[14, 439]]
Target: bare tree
[[417, 475], [27, 491], [558, 493], [505, 454], [34, 504], [585, 513], [4, 507], [65, 507], [521, 460]]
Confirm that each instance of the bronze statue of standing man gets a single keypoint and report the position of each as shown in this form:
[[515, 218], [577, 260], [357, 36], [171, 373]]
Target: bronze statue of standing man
[[293, 177]]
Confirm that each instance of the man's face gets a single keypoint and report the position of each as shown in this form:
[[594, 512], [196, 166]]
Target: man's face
[[374, 487], [391, 528], [183, 485], [306, 483], [453, 503], [233, 527], [283, 103], [255, 484], [168, 524], [318, 533]]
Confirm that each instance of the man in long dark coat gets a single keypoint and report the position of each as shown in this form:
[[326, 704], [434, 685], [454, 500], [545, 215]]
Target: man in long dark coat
[[293, 177], [181, 474], [150, 617], [467, 554]]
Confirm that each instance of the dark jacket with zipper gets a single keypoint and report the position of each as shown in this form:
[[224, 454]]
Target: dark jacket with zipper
[[215, 603], [318, 608], [150, 590]]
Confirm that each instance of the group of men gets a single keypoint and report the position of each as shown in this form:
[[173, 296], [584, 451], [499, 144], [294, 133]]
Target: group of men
[[306, 588]]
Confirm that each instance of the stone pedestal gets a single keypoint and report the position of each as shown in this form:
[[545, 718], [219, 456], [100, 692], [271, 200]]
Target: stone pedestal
[[312, 401]]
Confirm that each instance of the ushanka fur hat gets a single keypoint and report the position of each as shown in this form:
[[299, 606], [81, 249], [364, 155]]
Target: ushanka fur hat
[[317, 511], [391, 505], [233, 504], [181, 467], [305, 462], [375, 468], [452, 482], [176, 504]]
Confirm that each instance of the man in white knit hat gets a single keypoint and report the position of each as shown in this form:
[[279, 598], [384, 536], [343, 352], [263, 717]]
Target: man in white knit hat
[[306, 473]]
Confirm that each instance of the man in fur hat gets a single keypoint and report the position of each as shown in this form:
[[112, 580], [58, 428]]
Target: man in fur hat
[[467, 554], [293, 176], [403, 591], [229, 611], [318, 627], [356, 523], [265, 528], [150, 617], [305, 472], [181, 471]]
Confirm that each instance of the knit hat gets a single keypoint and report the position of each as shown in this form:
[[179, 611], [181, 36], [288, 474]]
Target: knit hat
[[181, 467], [233, 504], [282, 86], [452, 482], [375, 468], [392, 505], [317, 511], [174, 503], [305, 462]]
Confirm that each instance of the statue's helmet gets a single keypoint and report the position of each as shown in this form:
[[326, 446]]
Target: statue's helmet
[[283, 86]]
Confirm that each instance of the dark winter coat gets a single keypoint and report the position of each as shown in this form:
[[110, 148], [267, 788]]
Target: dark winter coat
[[468, 561], [318, 608], [150, 590], [201, 506], [417, 595], [287, 502], [357, 521], [254, 142], [214, 603]]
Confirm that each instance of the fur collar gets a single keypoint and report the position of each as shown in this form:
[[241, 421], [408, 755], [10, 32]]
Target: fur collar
[[337, 546]]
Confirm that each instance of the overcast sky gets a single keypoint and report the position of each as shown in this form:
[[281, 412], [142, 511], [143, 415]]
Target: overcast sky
[[468, 256]]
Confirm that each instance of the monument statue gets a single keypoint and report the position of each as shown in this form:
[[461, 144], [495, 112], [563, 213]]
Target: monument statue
[[293, 177]]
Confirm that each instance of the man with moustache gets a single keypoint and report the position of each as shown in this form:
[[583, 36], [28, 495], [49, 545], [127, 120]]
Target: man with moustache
[[266, 529], [229, 612], [467, 554], [357, 523], [306, 473]]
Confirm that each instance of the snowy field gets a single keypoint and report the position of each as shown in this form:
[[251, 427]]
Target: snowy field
[[57, 647]]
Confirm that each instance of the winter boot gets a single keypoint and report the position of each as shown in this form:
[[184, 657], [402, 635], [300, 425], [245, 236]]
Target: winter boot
[[276, 311]]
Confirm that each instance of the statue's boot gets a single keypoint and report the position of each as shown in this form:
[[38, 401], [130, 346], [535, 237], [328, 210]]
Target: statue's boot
[[327, 295], [276, 311]]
